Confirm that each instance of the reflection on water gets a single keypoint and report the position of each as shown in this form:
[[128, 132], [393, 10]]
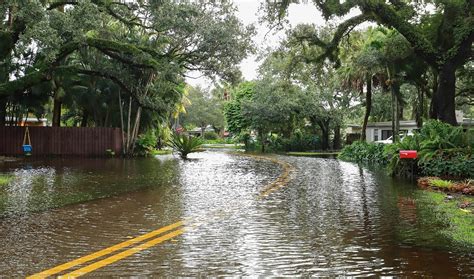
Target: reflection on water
[[333, 218]]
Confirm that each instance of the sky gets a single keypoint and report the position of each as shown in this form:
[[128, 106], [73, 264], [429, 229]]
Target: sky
[[248, 14]]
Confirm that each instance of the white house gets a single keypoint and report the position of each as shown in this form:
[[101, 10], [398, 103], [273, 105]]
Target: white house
[[382, 130]]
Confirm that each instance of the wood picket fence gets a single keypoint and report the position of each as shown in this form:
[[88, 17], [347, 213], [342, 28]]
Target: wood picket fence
[[59, 141]]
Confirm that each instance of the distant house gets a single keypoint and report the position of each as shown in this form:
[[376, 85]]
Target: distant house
[[353, 132], [383, 130], [30, 121], [197, 131]]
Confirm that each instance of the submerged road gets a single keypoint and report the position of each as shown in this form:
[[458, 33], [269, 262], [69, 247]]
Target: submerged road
[[222, 215]]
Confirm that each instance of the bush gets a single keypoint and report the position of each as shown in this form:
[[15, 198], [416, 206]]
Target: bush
[[298, 142], [444, 150], [363, 152], [211, 136], [146, 143], [184, 144]]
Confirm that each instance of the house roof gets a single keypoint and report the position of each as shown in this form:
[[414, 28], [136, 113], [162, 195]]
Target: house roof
[[403, 123]]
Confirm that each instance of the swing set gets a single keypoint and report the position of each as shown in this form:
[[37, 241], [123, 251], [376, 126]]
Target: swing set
[[27, 148]]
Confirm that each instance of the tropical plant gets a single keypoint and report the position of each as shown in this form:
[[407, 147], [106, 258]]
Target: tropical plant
[[184, 144], [146, 143], [444, 150]]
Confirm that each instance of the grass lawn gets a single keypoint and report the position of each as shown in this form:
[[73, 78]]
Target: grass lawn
[[459, 221], [223, 146], [4, 179], [161, 152]]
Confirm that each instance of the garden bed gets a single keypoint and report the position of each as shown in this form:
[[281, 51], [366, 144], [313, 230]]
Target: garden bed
[[432, 182]]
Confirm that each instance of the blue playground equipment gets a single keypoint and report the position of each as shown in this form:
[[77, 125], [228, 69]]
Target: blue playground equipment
[[27, 148]]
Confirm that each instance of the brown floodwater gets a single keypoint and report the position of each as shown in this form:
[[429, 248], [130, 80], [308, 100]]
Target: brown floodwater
[[332, 219]]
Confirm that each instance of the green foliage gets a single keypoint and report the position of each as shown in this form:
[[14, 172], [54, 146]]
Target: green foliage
[[363, 152], [5, 179], [457, 224], [161, 152], [203, 110], [297, 142], [441, 183], [402, 167], [184, 144], [443, 150], [146, 143], [211, 136], [91, 54], [457, 165], [236, 123]]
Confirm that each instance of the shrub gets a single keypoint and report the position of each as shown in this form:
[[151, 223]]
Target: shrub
[[297, 142], [362, 152], [184, 144], [444, 150], [146, 143], [211, 136], [440, 183], [402, 167]]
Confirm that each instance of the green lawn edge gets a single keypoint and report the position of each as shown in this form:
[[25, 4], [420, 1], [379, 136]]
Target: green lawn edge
[[312, 154]]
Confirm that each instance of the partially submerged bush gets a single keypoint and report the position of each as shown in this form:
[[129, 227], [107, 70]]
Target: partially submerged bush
[[184, 144], [363, 152], [146, 143]]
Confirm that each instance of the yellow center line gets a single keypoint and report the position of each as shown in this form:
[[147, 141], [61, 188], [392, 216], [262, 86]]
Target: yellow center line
[[104, 252], [122, 255], [278, 183]]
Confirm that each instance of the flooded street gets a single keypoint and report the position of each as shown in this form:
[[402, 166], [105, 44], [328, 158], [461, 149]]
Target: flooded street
[[332, 218]]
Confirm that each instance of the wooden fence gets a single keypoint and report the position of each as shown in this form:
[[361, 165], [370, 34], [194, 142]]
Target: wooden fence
[[59, 141]]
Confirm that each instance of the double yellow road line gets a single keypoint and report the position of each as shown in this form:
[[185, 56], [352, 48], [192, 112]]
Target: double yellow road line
[[179, 226], [176, 229]]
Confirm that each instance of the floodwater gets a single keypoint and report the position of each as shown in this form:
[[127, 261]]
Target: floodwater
[[332, 219]]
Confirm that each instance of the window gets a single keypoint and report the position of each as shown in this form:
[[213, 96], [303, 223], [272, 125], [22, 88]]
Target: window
[[376, 134], [386, 134]]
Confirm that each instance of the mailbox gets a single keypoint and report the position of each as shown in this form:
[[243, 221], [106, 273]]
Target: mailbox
[[408, 154]]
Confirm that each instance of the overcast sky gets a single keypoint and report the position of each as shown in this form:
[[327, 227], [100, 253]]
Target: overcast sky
[[248, 14]]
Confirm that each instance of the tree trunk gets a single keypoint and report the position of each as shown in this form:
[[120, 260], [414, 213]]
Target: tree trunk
[[57, 100], [3, 111], [57, 113], [443, 104], [121, 121], [368, 108], [324, 125], [433, 109], [420, 107], [395, 90], [203, 129], [85, 118], [336, 144]]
